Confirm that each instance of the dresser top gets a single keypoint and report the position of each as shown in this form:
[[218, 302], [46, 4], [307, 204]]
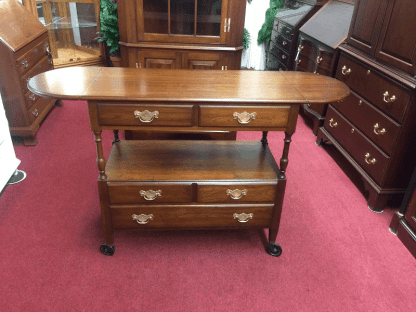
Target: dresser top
[[232, 86], [18, 26]]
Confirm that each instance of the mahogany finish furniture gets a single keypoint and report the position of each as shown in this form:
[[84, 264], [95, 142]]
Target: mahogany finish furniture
[[375, 131], [285, 32], [190, 184], [24, 53], [403, 223], [318, 44]]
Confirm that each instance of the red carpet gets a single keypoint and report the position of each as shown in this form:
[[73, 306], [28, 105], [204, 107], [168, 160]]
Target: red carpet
[[337, 254]]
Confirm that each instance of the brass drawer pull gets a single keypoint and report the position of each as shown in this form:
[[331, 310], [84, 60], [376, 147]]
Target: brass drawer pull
[[150, 194], [377, 129], [300, 47], [50, 61], [236, 194], [283, 57], [142, 218], [345, 71], [318, 59], [146, 116], [25, 64], [388, 99], [35, 112], [333, 123], [244, 118], [298, 61], [243, 217], [369, 161], [284, 43], [32, 97]]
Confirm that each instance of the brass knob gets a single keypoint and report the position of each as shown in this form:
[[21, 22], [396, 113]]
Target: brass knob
[[369, 161], [318, 59], [333, 123], [146, 116], [298, 61], [32, 97], [387, 98], [236, 194], [50, 61], [150, 194], [345, 71], [300, 47], [378, 131], [243, 217], [352, 130], [35, 112], [142, 218], [360, 102], [244, 118], [25, 63], [284, 43], [284, 57]]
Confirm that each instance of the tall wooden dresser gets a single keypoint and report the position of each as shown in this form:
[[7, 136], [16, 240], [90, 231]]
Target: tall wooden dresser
[[375, 129], [24, 53], [318, 42], [193, 34], [286, 30]]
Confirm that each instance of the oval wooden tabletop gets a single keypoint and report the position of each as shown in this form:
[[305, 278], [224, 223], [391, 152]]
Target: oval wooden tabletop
[[244, 86]]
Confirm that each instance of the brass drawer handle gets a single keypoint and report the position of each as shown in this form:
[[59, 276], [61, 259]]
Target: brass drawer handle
[[298, 61], [150, 194], [284, 43], [333, 123], [377, 129], [345, 71], [50, 61], [244, 118], [236, 194], [388, 99], [32, 97], [300, 47], [369, 161], [318, 59], [142, 218], [243, 217], [25, 64], [35, 112], [146, 116], [283, 57]]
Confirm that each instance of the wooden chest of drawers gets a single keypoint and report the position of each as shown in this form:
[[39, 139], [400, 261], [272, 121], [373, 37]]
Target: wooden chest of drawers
[[24, 53], [374, 126]]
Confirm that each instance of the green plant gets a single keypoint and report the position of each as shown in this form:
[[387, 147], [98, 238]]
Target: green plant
[[109, 25], [246, 39], [265, 33]]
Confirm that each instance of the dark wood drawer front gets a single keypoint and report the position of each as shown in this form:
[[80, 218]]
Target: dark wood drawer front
[[283, 42], [386, 94], [260, 116], [308, 48], [282, 56], [305, 63], [44, 65], [190, 216], [149, 193], [31, 99], [235, 193], [145, 115], [37, 109], [286, 31], [273, 63], [26, 61], [324, 59], [378, 127], [365, 153]]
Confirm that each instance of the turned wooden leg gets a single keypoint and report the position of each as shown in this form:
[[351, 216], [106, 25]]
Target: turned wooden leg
[[284, 160]]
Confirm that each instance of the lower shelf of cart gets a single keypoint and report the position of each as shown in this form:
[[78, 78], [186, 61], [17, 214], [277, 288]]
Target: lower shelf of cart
[[192, 216]]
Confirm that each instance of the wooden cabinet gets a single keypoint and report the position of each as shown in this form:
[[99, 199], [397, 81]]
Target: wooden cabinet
[[379, 27], [181, 34], [403, 223], [285, 32], [24, 53], [317, 47], [374, 130]]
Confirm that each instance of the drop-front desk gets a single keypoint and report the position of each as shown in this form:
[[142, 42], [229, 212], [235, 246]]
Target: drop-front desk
[[190, 184]]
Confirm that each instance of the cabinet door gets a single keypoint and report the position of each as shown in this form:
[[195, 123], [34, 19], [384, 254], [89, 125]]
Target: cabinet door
[[180, 21], [397, 42], [365, 26], [203, 60], [159, 59]]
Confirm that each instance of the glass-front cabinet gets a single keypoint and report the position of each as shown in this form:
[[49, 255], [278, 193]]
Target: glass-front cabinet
[[72, 29], [183, 20]]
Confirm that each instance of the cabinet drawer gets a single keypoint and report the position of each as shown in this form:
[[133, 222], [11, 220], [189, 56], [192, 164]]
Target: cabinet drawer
[[145, 115], [149, 193], [274, 64], [379, 128], [364, 152], [384, 93], [260, 116], [283, 42], [31, 99], [285, 30], [190, 216], [280, 55], [44, 65], [29, 58], [235, 193], [37, 109]]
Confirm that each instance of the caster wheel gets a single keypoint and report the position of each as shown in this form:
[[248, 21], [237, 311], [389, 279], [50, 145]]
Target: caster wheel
[[274, 249], [108, 251]]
